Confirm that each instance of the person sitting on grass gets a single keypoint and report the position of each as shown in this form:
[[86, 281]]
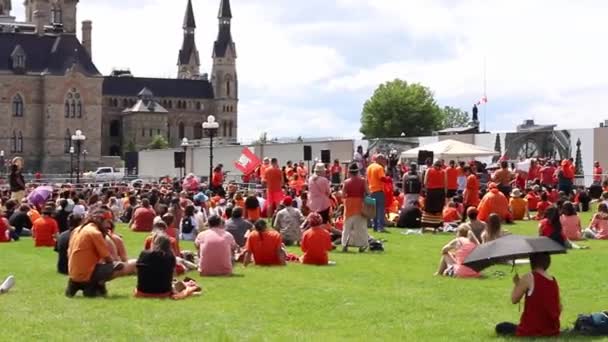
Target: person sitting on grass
[[316, 242], [551, 227], [518, 206], [533, 198], [143, 217], [188, 228], [477, 227], [237, 226], [264, 246], [7, 233], [216, 248], [495, 202], [599, 224], [494, 229], [63, 242], [288, 221], [21, 221], [155, 268], [571, 223], [542, 206], [45, 229], [451, 214], [454, 254], [542, 306], [582, 199], [90, 264]]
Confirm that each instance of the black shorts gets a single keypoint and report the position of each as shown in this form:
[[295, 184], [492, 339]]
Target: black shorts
[[452, 193], [102, 273], [325, 216]]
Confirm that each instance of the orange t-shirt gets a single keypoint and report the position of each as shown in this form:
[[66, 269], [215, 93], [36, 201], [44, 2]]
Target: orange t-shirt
[[173, 242], [263, 169], [34, 215], [265, 247], [452, 174], [450, 215], [315, 244], [87, 249], [375, 177], [253, 214], [435, 179], [44, 230], [274, 179]]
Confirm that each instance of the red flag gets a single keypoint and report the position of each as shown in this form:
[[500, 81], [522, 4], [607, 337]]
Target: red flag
[[248, 162], [483, 100]]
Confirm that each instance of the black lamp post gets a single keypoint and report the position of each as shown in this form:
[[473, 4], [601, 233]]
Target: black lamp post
[[85, 153], [211, 127], [78, 139], [185, 145], [71, 164], [2, 162]]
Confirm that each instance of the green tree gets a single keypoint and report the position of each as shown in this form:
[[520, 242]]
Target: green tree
[[131, 147], [158, 143], [454, 117], [398, 107]]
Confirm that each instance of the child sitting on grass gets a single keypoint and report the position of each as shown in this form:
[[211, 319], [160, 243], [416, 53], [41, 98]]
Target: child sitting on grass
[[542, 306], [542, 206], [45, 229], [316, 242], [599, 224], [451, 214]]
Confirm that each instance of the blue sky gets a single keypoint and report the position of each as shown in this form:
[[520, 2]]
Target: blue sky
[[306, 67]]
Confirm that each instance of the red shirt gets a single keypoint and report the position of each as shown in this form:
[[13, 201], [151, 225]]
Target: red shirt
[[316, 243], [520, 181], [274, 179], [546, 175], [597, 174], [265, 247], [143, 219], [553, 196], [4, 236], [541, 208], [336, 169], [44, 230], [218, 179], [435, 179], [452, 174], [533, 200], [533, 173], [541, 309]]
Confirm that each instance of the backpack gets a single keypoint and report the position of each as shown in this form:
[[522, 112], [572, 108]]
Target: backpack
[[187, 225], [376, 245], [412, 184], [592, 325]]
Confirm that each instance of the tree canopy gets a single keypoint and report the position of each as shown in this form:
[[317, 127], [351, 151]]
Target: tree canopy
[[454, 117], [158, 143], [398, 107]]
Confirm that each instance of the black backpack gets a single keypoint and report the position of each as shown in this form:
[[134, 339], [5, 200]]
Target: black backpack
[[592, 325], [412, 184], [187, 226]]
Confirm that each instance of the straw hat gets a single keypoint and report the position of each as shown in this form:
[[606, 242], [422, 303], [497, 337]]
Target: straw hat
[[516, 193], [320, 168]]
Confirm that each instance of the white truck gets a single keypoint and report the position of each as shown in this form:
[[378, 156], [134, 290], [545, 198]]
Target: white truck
[[105, 174]]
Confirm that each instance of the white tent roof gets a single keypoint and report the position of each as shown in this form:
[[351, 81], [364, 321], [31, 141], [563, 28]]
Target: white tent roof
[[451, 149]]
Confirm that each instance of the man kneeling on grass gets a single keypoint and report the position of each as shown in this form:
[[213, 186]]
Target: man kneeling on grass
[[90, 264]]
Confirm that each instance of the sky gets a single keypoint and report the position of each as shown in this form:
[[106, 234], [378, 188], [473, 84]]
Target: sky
[[306, 67]]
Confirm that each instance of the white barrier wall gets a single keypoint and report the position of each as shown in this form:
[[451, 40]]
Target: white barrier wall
[[158, 163]]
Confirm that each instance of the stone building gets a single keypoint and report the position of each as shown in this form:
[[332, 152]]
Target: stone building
[[50, 87]]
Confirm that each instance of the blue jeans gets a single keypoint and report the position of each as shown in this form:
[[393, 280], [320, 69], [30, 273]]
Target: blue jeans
[[378, 221]]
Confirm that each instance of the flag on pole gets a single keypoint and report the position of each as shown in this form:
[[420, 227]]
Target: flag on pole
[[248, 162], [483, 100]]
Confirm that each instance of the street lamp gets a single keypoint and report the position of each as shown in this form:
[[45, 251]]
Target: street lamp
[[71, 164], [211, 128], [2, 162], [185, 145], [78, 139], [85, 153]]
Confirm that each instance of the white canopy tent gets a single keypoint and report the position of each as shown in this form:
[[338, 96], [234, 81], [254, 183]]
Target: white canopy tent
[[451, 149]]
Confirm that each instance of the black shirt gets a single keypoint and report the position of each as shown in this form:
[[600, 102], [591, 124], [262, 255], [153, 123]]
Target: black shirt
[[410, 217], [155, 272], [61, 247], [17, 182], [62, 220], [20, 220]]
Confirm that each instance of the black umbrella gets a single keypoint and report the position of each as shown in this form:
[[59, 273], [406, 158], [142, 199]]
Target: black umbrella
[[508, 248]]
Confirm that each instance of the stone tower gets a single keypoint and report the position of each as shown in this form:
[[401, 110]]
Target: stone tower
[[53, 12], [5, 8], [188, 62], [224, 77]]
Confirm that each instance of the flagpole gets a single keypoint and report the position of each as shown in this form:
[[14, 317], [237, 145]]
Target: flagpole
[[485, 95]]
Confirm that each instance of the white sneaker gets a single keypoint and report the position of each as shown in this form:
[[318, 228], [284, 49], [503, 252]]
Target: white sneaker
[[7, 284]]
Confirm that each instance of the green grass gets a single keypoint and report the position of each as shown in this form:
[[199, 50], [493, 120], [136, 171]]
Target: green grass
[[391, 296]]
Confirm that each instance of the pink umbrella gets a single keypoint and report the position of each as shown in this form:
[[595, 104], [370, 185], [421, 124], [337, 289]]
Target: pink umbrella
[[40, 195]]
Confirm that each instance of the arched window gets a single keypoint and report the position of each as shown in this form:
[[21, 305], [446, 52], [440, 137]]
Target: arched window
[[67, 141], [14, 142], [73, 104], [198, 130], [18, 105], [228, 87], [115, 128], [230, 128], [20, 143], [182, 131]]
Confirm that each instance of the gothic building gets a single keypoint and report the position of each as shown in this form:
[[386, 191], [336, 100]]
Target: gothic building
[[50, 87]]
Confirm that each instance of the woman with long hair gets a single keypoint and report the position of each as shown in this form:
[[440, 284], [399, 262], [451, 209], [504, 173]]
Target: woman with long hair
[[493, 230], [571, 223], [264, 246], [599, 224], [551, 226], [155, 268], [253, 211]]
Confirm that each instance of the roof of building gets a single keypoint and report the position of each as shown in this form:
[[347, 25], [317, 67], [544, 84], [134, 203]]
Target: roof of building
[[161, 87], [188, 48], [189, 21], [51, 53], [459, 130], [225, 11], [224, 40], [146, 106]]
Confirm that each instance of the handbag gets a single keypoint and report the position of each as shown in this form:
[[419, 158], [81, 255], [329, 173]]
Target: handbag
[[369, 207]]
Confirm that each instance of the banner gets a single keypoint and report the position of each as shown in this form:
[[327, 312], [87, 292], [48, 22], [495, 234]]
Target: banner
[[248, 162]]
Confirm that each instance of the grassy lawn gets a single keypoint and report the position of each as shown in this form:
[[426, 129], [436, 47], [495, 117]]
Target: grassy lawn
[[390, 296]]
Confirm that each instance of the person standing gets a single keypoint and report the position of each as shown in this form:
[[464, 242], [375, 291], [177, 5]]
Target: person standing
[[598, 174], [546, 175], [319, 192], [355, 225], [359, 159], [16, 181], [412, 185], [503, 178], [451, 174], [375, 181], [565, 176], [336, 173], [435, 181], [274, 187]]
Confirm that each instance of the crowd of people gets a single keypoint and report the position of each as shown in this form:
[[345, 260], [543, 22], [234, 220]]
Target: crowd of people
[[318, 210]]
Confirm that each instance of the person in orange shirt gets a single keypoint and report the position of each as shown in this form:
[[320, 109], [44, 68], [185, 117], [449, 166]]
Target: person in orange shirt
[[471, 191], [375, 181], [265, 166], [452, 173], [494, 202], [289, 170], [264, 246], [518, 205], [302, 170], [435, 180], [297, 184], [450, 213], [598, 173], [45, 229], [274, 185], [543, 205], [316, 242]]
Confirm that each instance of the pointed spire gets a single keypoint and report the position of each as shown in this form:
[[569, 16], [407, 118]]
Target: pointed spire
[[189, 22], [225, 11]]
